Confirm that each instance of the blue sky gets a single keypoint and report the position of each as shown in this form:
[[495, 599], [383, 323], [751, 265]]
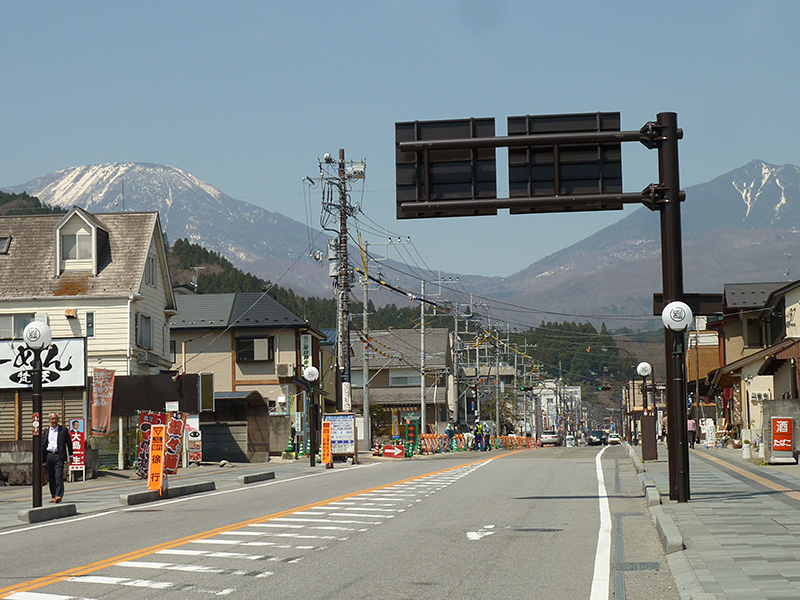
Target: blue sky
[[248, 96]]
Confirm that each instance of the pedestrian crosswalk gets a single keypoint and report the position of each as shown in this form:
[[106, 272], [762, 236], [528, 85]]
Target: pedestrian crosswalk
[[256, 550]]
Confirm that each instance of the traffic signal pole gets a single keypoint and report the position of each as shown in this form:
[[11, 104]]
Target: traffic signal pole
[[672, 280]]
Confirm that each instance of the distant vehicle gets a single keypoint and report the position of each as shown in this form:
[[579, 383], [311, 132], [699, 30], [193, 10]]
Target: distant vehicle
[[549, 438], [613, 438], [597, 437], [569, 441]]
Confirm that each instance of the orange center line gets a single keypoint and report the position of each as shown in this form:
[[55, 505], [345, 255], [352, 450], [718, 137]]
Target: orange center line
[[40, 582]]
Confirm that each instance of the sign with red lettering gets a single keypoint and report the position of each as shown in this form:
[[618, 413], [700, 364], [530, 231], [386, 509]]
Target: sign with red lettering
[[155, 473], [782, 434], [326, 443], [77, 437]]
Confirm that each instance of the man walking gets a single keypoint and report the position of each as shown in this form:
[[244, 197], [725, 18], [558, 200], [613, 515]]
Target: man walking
[[56, 446]]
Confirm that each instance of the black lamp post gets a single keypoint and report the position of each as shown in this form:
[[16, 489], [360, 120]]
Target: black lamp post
[[37, 336]]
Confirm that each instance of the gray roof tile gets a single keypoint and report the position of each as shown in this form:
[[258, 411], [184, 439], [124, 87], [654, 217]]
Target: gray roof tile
[[27, 270]]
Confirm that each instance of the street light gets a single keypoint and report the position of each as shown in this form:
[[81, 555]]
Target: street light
[[676, 317], [37, 336]]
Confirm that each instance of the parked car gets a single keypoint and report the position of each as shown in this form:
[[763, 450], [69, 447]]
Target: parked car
[[613, 438], [597, 437], [549, 438], [569, 441]]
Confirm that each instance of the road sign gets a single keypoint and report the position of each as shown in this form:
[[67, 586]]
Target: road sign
[[446, 174], [394, 451]]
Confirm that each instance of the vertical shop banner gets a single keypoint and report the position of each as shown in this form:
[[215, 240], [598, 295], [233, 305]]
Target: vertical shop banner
[[174, 442], [102, 394], [326, 443], [147, 419], [77, 438], [195, 439], [155, 471]]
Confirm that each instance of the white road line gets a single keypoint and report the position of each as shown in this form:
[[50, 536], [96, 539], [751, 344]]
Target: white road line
[[156, 585], [602, 559], [279, 525], [252, 486], [210, 554], [340, 521], [363, 515]]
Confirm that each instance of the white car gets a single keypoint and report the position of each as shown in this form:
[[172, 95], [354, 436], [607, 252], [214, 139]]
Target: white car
[[569, 441], [613, 438], [549, 438]]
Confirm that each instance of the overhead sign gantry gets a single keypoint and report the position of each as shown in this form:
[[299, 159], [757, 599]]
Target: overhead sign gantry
[[556, 163]]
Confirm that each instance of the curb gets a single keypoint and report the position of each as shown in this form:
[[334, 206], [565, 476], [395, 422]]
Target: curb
[[173, 492], [47, 513], [245, 479]]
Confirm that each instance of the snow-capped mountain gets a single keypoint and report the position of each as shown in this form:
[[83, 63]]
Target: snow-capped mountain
[[743, 226]]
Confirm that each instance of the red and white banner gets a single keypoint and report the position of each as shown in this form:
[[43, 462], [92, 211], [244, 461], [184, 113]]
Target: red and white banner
[[147, 419], [174, 442], [102, 394], [77, 437]]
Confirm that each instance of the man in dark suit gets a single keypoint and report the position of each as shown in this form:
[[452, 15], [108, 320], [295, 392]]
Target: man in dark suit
[[56, 446]]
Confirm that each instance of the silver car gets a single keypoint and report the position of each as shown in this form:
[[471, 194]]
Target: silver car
[[549, 438]]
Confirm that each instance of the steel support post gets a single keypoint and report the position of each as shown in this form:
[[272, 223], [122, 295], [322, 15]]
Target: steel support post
[[672, 278]]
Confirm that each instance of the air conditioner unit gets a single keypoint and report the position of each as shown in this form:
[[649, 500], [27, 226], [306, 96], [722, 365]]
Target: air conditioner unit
[[141, 357], [284, 370]]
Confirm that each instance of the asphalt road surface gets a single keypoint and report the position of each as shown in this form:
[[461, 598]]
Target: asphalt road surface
[[527, 524]]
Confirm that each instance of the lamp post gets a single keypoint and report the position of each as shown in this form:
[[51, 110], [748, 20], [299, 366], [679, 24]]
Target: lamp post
[[676, 317], [37, 336]]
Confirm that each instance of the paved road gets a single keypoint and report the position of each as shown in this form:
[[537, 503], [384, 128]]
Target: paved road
[[526, 524]]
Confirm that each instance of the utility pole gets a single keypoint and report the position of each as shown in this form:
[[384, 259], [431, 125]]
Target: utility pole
[[344, 290], [365, 323], [337, 173], [423, 411]]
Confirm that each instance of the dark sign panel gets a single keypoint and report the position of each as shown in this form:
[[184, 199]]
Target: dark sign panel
[[564, 169], [445, 174]]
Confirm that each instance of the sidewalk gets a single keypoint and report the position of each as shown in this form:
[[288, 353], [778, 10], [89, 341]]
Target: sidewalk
[[740, 528]]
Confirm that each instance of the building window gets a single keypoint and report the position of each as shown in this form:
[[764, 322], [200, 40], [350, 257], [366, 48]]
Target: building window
[[90, 324], [144, 331], [5, 242], [255, 349], [76, 246], [173, 350], [404, 380], [151, 271], [11, 326]]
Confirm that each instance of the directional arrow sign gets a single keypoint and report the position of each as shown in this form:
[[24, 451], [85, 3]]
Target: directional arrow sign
[[394, 451]]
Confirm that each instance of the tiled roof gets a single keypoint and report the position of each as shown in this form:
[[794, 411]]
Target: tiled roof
[[749, 295], [202, 311], [240, 310], [27, 270]]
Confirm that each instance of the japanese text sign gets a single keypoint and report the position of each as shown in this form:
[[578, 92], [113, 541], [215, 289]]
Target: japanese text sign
[[155, 473], [77, 436], [782, 434]]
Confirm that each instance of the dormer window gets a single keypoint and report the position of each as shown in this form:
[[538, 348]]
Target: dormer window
[[5, 242], [76, 246]]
